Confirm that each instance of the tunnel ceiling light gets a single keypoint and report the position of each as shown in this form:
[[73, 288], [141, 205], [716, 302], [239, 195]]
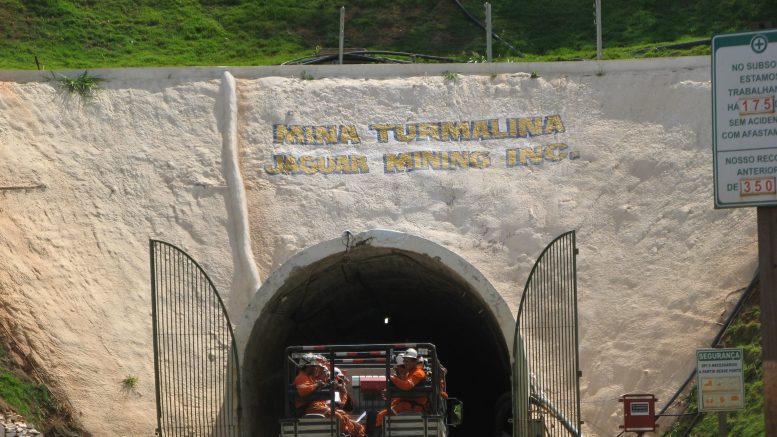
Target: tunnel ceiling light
[[386, 321]]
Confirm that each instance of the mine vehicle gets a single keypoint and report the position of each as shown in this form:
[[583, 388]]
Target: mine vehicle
[[370, 389]]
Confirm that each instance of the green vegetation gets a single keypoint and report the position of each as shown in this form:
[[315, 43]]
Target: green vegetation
[[18, 392], [304, 75], [27, 398], [31, 400], [129, 382], [84, 85], [79, 34], [745, 332], [451, 76]]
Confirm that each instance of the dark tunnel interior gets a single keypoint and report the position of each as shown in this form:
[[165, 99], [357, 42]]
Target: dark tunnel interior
[[345, 298]]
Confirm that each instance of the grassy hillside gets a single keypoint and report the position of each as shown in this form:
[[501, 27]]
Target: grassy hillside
[[21, 394], [120, 33]]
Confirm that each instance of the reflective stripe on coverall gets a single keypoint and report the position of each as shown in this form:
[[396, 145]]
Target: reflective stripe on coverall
[[306, 385], [399, 404]]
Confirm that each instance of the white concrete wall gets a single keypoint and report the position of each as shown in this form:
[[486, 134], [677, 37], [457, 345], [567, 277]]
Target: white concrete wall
[[140, 161], [657, 264]]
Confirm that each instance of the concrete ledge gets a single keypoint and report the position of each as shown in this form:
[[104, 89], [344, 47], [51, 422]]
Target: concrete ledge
[[372, 71]]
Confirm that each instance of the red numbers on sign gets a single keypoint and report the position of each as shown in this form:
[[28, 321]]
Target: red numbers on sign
[[754, 187], [756, 105]]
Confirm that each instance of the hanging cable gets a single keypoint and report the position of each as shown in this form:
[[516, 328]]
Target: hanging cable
[[715, 343], [475, 20]]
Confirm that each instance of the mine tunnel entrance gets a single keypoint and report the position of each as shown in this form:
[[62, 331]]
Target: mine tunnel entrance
[[349, 295]]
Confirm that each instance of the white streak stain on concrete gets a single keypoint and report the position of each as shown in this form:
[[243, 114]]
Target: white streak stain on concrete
[[245, 277]]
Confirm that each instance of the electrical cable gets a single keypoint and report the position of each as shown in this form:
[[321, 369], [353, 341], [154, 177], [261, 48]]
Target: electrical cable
[[365, 56], [474, 19], [678, 46]]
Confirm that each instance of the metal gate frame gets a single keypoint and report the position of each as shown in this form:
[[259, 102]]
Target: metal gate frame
[[196, 371], [546, 366]]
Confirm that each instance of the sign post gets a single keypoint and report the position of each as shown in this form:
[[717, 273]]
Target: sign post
[[767, 258], [744, 142]]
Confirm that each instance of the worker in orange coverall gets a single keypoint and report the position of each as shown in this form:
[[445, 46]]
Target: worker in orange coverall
[[342, 388], [443, 388], [310, 379], [415, 375]]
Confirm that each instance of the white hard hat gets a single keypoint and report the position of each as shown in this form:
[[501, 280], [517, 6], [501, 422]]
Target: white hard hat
[[339, 372], [411, 353], [307, 360], [400, 358]]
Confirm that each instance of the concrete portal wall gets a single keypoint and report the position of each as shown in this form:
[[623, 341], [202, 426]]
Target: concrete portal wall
[[622, 157], [140, 161], [621, 154]]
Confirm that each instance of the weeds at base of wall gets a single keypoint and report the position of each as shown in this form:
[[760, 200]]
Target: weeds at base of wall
[[24, 394], [25, 397], [84, 85], [451, 76]]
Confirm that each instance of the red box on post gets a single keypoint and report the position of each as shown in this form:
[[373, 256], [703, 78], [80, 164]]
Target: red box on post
[[639, 412]]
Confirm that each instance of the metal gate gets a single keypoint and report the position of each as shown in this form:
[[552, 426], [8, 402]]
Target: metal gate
[[546, 386], [195, 359]]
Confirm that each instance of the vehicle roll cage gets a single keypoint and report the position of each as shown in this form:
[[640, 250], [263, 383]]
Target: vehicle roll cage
[[367, 356]]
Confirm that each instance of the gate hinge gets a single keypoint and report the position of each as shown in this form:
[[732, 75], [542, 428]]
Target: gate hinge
[[577, 251]]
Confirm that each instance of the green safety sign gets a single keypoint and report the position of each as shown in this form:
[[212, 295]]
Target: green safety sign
[[721, 382]]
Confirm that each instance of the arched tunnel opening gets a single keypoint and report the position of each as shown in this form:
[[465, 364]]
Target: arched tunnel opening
[[346, 298]]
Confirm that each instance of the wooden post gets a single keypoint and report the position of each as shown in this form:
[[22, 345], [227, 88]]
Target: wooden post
[[722, 424], [767, 258]]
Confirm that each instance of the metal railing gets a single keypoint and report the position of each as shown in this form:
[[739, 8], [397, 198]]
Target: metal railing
[[376, 356], [547, 362], [195, 358]]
